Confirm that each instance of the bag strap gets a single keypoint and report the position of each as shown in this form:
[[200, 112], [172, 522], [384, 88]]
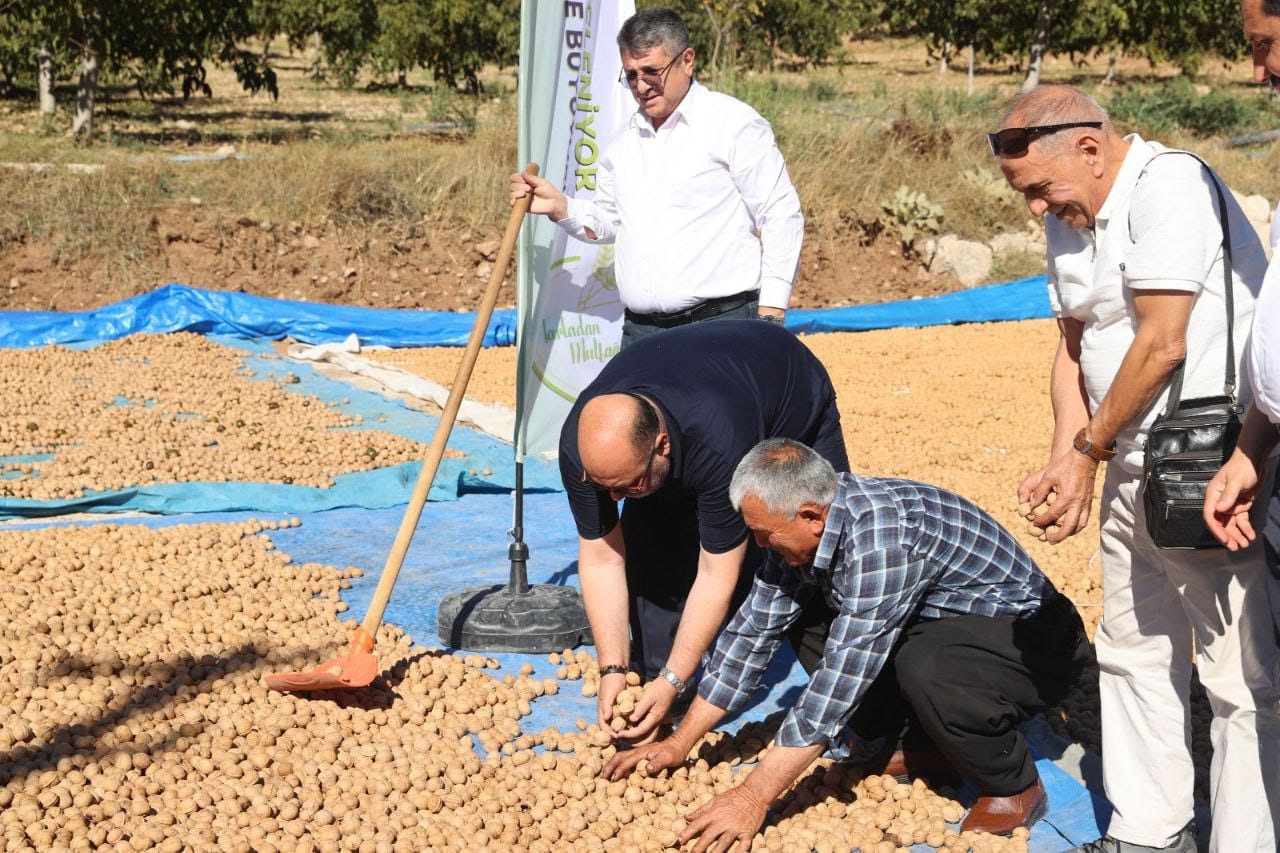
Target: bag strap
[[1175, 379]]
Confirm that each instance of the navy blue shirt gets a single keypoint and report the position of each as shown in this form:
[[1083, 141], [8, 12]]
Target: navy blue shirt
[[722, 388]]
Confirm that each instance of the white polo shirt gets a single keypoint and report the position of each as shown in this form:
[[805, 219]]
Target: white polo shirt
[[1264, 346], [1158, 233], [699, 208]]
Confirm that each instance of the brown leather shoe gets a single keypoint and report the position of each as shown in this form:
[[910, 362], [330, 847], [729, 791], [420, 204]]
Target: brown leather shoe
[[905, 766], [1002, 815]]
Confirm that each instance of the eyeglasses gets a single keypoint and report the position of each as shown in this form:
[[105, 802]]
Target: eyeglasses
[[655, 77], [635, 485], [1013, 141]]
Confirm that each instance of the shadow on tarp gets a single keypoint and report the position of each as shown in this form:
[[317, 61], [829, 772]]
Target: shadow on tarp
[[464, 543], [177, 307], [488, 464]]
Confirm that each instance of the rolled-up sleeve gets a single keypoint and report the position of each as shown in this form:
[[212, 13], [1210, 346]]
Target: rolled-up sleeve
[[760, 174]]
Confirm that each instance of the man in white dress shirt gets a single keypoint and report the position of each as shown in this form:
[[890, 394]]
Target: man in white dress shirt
[[695, 195], [1232, 493], [1136, 279]]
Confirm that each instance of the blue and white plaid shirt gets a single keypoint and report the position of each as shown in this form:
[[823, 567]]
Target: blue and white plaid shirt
[[893, 552]]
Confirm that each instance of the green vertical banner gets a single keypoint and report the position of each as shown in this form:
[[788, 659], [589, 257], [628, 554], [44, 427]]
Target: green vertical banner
[[571, 109]]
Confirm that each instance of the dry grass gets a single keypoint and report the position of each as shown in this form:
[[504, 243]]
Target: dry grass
[[358, 158]]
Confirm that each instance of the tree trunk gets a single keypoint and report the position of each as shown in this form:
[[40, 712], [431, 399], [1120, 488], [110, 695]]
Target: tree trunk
[[402, 79], [945, 58], [44, 80], [1111, 67], [1039, 42], [86, 91], [970, 89], [317, 66]]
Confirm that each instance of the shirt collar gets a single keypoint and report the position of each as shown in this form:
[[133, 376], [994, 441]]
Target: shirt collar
[[1135, 160], [838, 516], [688, 106]]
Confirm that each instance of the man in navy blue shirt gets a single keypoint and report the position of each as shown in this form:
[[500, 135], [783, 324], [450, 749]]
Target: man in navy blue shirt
[[663, 426], [947, 635]]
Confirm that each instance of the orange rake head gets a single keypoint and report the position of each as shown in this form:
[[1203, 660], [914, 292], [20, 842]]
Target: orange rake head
[[357, 668]]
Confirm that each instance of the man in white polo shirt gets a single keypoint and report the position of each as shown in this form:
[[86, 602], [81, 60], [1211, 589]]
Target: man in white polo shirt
[[695, 194], [1231, 495], [1136, 281]]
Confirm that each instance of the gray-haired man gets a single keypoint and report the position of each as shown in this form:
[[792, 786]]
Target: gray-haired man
[[1138, 280], [947, 634], [695, 195]]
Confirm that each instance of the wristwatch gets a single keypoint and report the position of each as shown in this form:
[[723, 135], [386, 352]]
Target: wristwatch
[[1098, 454], [772, 318], [673, 679]]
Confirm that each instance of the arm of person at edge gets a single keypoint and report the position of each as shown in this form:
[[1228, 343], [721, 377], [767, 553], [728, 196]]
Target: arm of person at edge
[[1159, 345], [1232, 491], [759, 172], [603, 576], [737, 814], [704, 612]]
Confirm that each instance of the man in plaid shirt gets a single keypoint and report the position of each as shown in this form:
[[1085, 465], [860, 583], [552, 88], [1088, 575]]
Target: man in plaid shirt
[[947, 635]]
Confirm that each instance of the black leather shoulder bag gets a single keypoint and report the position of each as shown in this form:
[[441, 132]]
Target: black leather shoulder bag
[[1191, 439]]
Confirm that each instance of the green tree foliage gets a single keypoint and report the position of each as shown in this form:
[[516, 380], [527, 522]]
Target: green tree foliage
[[1179, 31], [345, 31], [730, 34], [451, 38], [164, 50]]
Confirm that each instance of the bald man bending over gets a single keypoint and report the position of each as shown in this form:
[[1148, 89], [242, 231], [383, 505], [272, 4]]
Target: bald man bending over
[[663, 427]]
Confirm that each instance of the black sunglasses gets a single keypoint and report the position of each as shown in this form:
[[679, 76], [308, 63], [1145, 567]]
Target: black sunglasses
[[1013, 141]]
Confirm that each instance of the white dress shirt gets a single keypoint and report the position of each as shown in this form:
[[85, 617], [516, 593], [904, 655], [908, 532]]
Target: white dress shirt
[[1158, 233], [702, 207]]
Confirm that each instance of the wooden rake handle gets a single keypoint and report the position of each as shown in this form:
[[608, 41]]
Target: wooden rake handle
[[412, 513]]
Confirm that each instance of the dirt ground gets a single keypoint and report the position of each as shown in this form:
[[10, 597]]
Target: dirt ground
[[407, 267]]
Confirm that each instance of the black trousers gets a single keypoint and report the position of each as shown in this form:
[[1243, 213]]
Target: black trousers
[[961, 684], [661, 537]]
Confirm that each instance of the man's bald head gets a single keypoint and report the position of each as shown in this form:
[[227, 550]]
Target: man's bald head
[[618, 437], [1049, 105]]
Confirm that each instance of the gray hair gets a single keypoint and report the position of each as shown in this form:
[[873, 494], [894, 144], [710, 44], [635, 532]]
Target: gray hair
[[1053, 104], [650, 28], [784, 475], [1271, 7]]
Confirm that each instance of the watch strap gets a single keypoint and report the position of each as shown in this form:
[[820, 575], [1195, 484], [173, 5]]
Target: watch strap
[[674, 680], [1098, 454]]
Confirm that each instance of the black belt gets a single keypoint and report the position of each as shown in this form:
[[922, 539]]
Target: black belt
[[711, 308]]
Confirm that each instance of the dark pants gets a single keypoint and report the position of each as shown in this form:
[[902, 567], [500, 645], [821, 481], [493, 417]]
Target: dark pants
[[661, 537], [634, 330], [960, 685]]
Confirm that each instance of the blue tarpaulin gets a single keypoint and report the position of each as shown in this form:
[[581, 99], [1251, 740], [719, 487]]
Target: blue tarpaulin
[[488, 465], [176, 307], [1024, 299]]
